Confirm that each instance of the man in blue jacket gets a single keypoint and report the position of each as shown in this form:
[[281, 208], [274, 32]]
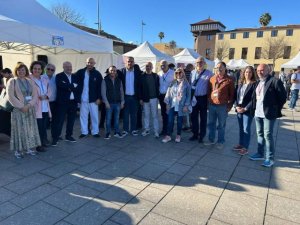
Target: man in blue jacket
[[268, 100], [89, 81]]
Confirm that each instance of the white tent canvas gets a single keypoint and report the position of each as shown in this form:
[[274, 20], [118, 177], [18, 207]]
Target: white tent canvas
[[237, 64], [293, 63], [188, 55], [28, 29], [147, 53]]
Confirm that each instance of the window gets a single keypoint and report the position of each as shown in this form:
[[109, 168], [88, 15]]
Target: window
[[208, 37], [260, 33], [232, 35], [287, 52], [289, 32], [274, 33], [207, 52], [231, 53], [257, 53], [244, 53], [221, 36], [246, 35]]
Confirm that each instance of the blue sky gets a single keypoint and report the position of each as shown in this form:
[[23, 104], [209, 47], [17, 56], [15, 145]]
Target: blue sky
[[123, 18]]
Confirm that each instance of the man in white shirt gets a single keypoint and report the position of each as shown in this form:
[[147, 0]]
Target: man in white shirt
[[166, 76], [295, 80], [89, 80]]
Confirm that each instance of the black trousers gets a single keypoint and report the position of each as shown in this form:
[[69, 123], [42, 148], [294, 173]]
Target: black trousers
[[42, 126], [200, 107], [163, 109], [68, 109]]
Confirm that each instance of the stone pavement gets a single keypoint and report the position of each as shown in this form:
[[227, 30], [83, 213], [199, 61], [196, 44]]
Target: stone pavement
[[139, 180]]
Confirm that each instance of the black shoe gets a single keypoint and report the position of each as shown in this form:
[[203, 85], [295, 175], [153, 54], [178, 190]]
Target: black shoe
[[107, 136], [200, 140], [60, 139], [193, 138], [82, 135], [40, 149], [70, 139], [163, 133], [96, 135], [54, 142]]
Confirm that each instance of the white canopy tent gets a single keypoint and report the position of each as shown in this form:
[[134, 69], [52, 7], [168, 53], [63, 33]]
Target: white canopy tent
[[237, 64], [28, 30], [293, 63], [188, 55], [147, 53]]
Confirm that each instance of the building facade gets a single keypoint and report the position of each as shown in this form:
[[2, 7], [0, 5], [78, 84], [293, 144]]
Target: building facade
[[255, 45]]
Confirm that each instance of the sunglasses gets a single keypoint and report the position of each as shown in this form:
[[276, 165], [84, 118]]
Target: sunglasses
[[178, 72], [51, 69]]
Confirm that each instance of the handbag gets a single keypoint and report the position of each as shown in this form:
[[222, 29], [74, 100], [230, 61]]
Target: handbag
[[4, 103]]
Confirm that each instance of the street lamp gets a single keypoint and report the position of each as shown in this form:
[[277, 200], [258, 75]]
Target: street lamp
[[98, 17]]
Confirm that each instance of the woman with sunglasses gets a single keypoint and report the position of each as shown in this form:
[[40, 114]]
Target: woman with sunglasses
[[178, 98]]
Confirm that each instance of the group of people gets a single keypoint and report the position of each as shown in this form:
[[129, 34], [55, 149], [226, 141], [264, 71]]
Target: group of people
[[204, 100]]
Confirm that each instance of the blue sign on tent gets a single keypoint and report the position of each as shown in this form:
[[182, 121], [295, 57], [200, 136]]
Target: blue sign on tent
[[57, 40]]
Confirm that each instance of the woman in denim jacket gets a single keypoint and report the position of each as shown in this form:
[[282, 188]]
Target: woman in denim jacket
[[178, 101]]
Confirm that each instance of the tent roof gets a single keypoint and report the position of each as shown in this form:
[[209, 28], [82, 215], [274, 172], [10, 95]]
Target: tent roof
[[186, 56], [146, 50], [237, 64], [293, 63], [28, 22]]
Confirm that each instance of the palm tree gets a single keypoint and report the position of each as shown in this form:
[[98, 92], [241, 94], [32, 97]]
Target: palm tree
[[161, 36], [265, 19], [173, 45]]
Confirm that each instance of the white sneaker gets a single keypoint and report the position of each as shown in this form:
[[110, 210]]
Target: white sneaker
[[18, 155], [219, 146], [156, 135], [124, 133], [145, 133], [207, 143], [31, 152], [177, 139], [166, 139], [135, 133]]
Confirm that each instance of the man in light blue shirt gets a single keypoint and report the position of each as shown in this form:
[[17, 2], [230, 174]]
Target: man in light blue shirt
[[199, 82]]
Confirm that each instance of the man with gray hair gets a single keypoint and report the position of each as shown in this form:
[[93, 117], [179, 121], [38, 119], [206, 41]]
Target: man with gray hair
[[199, 82], [268, 100]]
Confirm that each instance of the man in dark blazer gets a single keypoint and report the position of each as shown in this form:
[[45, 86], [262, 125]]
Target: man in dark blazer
[[89, 82], [67, 99], [268, 100], [130, 77]]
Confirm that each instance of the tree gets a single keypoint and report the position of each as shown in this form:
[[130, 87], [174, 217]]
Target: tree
[[66, 13], [274, 48], [161, 36], [222, 50], [265, 19]]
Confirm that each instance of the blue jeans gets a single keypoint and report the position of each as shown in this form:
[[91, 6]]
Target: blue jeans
[[294, 98], [130, 110], [217, 113], [244, 121], [171, 117], [114, 109], [264, 132]]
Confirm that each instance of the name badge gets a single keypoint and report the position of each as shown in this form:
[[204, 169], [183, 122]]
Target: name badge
[[258, 97], [215, 94], [28, 98]]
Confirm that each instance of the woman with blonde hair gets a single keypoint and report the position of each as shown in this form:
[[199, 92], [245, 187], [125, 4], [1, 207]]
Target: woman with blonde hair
[[177, 99], [22, 94]]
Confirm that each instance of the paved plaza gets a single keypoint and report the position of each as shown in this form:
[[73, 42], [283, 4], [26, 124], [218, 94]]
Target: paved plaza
[[139, 180]]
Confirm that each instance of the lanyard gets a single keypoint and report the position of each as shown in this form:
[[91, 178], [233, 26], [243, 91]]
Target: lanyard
[[165, 76], [218, 83], [25, 87]]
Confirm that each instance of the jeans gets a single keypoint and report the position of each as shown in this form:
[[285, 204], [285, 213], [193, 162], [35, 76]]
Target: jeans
[[42, 126], [244, 121], [264, 132], [151, 107], [130, 111], [294, 98], [201, 107], [163, 110], [114, 109], [217, 113], [171, 115]]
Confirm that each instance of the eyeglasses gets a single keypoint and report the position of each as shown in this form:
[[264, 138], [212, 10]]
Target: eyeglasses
[[51, 69], [199, 62]]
